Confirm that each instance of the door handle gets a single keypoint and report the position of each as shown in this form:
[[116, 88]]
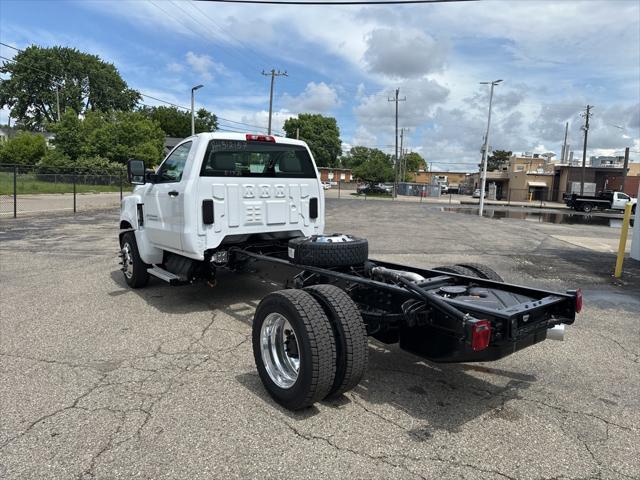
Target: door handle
[[173, 193]]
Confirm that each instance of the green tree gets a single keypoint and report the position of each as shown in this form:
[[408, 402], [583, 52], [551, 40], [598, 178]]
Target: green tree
[[84, 83], [414, 162], [69, 133], [114, 136], [321, 134], [497, 160], [369, 164], [357, 156], [24, 148], [57, 162], [177, 123]]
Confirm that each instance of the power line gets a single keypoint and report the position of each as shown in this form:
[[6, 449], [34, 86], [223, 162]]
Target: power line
[[141, 93], [236, 53], [188, 109], [340, 2]]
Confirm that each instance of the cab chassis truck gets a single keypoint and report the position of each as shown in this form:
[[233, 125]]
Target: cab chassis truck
[[254, 204]]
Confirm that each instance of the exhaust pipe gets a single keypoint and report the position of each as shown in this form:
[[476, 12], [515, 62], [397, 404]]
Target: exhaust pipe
[[389, 273], [556, 333]]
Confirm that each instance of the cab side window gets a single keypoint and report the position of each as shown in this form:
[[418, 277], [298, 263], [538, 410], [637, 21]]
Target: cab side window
[[172, 168]]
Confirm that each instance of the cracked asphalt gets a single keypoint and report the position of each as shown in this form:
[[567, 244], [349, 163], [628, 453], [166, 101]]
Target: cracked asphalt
[[101, 382]]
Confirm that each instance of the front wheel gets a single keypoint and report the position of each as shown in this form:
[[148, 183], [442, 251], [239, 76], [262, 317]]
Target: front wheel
[[134, 269], [294, 348], [587, 208]]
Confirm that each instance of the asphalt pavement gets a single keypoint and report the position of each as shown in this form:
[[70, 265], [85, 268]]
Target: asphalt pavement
[[98, 381]]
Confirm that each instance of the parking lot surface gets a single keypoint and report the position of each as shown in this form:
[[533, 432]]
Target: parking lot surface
[[100, 381]]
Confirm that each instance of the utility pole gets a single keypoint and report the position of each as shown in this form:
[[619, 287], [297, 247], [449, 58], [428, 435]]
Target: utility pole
[[624, 168], [564, 145], [273, 74], [396, 166], [586, 116], [402, 174], [483, 180]]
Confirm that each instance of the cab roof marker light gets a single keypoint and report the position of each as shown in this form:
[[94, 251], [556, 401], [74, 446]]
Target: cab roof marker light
[[260, 138]]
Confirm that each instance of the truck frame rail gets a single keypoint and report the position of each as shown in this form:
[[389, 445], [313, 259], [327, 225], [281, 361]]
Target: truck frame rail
[[433, 314]]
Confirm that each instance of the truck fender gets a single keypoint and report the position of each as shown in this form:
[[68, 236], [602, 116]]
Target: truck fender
[[129, 213], [130, 222]]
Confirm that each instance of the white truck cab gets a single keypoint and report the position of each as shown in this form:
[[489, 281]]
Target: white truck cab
[[619, 200], [223, 188]]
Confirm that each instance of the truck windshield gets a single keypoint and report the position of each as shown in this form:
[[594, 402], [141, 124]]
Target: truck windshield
[[236, 158]]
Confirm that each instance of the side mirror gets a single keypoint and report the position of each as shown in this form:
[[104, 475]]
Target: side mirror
[[136, 172]]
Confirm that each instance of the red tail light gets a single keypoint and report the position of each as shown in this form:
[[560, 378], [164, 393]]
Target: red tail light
[[480, 335], [578, 300], [260, 138]]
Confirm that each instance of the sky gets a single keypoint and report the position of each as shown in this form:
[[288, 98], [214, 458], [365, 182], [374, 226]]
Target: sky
[[554, 58]]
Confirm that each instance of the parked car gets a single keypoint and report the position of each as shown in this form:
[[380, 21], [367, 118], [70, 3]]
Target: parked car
[[476, 193], [326, 185], [374, 189]]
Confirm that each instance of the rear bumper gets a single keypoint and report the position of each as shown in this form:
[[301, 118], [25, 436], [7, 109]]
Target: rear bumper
[[450, 350]]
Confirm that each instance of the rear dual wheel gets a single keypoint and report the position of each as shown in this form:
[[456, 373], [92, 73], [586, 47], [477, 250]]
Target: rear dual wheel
[[308, 345], [477, 270]]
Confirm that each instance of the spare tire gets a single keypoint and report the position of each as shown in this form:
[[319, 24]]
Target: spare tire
[[336, 250]]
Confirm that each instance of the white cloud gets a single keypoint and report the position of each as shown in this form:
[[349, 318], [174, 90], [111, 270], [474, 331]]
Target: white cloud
[[316, 98], [567, 53], [406, 53], [377, 112], [175, 67], [204, 65]]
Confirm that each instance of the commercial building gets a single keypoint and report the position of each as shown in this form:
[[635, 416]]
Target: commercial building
[[453, 180], [335, 175], [530, 178]]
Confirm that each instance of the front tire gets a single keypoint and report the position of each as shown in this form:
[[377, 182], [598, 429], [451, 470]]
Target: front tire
[[587, 208], [294, 348], [133, 268]]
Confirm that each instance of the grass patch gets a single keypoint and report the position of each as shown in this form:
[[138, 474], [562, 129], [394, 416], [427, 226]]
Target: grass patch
[[30, 184]]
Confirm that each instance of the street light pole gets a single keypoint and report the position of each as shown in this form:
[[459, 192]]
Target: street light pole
[[193, 114], [483, 180]]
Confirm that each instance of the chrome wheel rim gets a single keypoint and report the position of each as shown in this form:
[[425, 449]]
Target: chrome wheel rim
[[280, 350], [127, 261], [334, 238]]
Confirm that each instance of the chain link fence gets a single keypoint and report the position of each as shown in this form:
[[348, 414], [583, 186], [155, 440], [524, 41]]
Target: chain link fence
[[28, 190], [424, 193], [405, 191]]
